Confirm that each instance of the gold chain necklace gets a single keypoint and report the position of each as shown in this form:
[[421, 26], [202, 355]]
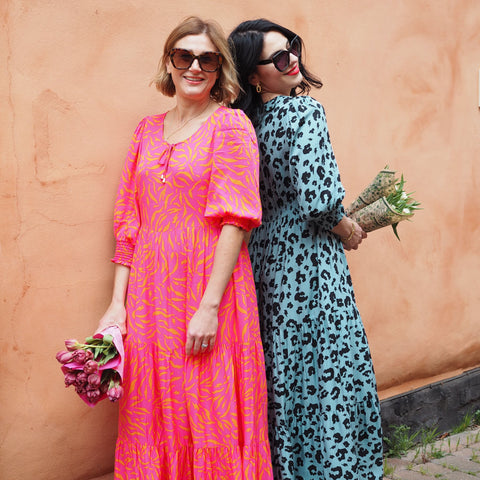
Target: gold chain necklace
[[188, 121], [163, 176]]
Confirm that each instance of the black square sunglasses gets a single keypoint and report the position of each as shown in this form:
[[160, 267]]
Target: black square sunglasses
[[281, 59], [183, 59]]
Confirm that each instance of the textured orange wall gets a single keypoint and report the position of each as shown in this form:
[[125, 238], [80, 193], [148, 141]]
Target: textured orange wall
[[401, 88]]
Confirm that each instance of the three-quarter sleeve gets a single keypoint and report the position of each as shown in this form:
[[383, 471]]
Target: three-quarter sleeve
[[233, 193], [313, 168], [126, 217]]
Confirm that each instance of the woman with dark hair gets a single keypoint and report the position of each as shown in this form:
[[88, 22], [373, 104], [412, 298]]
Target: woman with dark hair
[[324, 420], [195, 402]]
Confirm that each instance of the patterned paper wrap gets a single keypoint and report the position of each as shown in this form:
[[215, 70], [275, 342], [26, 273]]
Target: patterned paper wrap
[[381, 186], [377, 215]]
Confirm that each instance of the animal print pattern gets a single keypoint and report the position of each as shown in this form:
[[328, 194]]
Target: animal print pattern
[[197, 417], [324, 421]]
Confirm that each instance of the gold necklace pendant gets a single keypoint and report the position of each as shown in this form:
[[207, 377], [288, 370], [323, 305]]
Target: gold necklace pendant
[[164, 160], [187, 122], [165, 156]]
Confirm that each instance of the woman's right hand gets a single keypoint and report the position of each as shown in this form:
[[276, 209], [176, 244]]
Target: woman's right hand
[[350, 232], [116, 314], [355, 236]]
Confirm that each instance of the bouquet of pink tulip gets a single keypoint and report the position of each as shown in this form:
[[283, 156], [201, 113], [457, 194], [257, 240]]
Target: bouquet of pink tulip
[[384, 202], [95, 367]]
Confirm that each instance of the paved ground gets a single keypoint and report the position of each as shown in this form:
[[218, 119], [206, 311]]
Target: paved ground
[[456, 457]]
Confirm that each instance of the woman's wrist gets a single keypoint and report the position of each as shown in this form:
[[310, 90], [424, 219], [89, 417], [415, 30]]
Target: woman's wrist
[[209, 304], [343, 229], [352, 232], [117, 301]]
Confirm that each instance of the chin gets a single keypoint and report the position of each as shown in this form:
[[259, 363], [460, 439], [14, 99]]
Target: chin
[[298, 77]]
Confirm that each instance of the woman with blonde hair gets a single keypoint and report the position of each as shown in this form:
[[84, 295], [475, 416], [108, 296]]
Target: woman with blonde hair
[[195, 393]]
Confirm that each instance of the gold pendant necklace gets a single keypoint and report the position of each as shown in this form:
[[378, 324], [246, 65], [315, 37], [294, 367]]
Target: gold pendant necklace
[[188, 121], [163, 177]]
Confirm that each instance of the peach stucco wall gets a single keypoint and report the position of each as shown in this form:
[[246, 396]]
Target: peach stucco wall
[[401, 88]]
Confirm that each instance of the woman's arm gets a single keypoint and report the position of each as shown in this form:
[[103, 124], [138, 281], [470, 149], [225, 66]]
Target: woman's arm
[[202, 328], [116, 313], [312, 166]]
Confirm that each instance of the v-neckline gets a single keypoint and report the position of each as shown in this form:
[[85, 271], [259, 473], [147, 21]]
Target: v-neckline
[[204, 123]]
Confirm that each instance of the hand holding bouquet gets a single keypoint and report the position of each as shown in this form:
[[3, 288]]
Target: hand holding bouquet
[[95, 367], [384, 202]]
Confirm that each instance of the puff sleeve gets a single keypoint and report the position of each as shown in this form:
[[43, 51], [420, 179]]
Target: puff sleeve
[[126, 217], [233, 193], [313, 168]]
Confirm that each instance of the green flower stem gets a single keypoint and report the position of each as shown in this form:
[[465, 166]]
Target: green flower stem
[[84, 346]]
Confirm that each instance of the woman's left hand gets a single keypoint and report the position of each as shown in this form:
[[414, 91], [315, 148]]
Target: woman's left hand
[[350, 232], [355, 238], [202, 331]]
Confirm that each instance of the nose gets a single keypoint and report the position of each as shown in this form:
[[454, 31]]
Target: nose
[[195, 65], [291, 60]]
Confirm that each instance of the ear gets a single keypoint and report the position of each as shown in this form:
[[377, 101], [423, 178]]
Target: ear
[[253, 79], [168, 66]]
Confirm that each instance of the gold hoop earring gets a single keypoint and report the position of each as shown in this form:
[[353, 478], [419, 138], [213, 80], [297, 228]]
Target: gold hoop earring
[[258, 88]]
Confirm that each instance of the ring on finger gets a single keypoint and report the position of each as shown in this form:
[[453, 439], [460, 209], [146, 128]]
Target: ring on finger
[[204, 345]]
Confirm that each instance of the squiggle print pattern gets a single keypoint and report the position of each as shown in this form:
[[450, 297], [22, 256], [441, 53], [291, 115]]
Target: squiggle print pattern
[[202, 417]]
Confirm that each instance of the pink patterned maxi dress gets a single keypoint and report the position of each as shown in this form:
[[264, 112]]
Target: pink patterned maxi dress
[[199, 417]]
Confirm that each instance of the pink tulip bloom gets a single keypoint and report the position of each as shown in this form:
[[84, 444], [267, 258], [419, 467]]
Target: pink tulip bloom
[[82, 379], [64, 356], [115, 393], [71, 344], [80, 389], [70, 379], [80, 356], [93, 395], [94, 380], [89, 354], [91, 366]]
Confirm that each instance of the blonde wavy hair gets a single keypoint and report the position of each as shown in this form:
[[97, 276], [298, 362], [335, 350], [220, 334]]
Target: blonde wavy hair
[[226, 88]]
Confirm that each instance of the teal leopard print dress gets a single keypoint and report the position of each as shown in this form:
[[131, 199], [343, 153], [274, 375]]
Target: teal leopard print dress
[[324, 416]]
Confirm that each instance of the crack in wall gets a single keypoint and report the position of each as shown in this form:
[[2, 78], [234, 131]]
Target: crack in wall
[[13, 169], [47, 172]]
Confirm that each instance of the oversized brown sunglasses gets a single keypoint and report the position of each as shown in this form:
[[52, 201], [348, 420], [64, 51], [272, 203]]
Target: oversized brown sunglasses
[[183, 59]]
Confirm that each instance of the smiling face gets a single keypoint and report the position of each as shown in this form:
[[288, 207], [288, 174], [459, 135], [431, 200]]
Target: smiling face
[[193, 83], [272, 81]]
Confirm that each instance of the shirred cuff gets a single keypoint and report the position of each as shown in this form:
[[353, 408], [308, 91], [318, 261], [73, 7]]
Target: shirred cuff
[[243, 223], [333, 218], [123, 253], [340, 213]]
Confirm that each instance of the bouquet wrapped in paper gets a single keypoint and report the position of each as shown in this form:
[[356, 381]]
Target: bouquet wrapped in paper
[[382, 185], [384, 202], [95, 367]]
